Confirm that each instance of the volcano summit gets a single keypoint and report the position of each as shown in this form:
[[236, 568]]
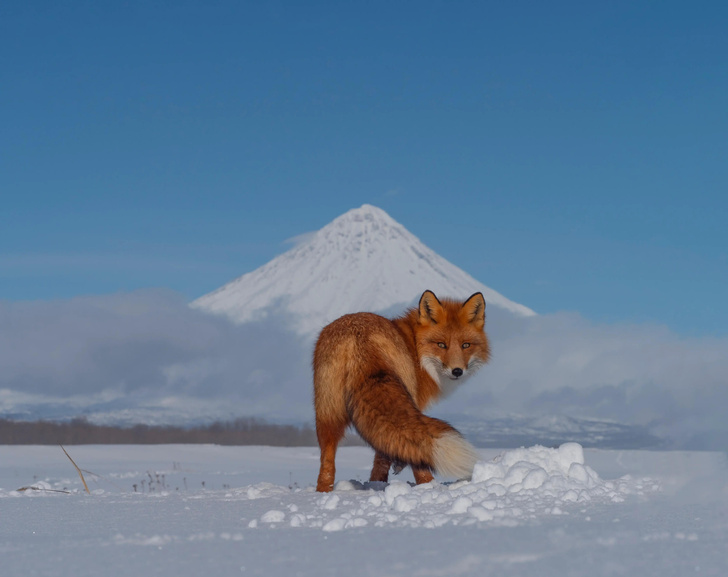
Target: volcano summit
[[362, 261]]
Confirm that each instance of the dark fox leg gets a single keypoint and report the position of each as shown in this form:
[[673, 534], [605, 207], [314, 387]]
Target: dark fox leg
[[329, 436], [422, 475], [382, 464], [380, 469]]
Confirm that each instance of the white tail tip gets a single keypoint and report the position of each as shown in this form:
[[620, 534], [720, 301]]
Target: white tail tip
[[454, 456]]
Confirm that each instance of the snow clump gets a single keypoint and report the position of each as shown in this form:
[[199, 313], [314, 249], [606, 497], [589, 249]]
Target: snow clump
[[517, 486]]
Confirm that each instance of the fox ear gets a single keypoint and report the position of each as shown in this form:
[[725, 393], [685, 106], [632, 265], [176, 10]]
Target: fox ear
[[431, 311], [473, 310]]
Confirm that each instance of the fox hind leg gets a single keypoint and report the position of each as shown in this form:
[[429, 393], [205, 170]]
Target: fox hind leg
[[382, 464], [422, 475], [329, 435], [380, 469]]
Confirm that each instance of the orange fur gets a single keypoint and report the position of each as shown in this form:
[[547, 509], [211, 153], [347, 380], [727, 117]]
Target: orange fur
[[379, 375]]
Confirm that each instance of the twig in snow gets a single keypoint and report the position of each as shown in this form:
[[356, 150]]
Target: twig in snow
[[80, 473], [31, 488]]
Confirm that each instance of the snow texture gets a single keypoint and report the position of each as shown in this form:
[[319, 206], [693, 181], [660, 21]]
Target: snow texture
[[516, 486], [191, 510], [362, 261]]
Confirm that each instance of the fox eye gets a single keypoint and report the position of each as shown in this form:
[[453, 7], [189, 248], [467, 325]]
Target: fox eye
[[466, 345], [442, 345]]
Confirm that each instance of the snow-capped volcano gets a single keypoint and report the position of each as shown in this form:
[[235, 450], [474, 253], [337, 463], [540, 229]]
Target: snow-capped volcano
[[362, 261]]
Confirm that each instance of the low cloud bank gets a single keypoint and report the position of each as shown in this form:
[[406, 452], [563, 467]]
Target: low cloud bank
[[146, 350], [643, 375], [147, 355]]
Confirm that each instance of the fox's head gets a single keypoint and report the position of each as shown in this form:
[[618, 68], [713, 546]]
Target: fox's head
[[451, 340]]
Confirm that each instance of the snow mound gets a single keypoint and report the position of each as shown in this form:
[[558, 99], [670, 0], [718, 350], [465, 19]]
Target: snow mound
[[531, 468], [517, 486]]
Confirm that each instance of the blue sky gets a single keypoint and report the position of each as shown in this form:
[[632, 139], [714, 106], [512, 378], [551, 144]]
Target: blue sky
[[571, 155]]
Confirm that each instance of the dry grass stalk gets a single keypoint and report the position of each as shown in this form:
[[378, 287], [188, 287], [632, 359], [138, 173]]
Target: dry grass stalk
[[80, 473]]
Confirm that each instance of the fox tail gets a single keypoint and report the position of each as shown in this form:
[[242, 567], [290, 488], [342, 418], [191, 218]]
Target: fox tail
[[386, 417]]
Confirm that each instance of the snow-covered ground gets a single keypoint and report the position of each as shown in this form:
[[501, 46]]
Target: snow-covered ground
[[196, 510]]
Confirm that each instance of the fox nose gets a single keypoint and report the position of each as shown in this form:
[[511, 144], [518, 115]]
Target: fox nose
[[457, 372]]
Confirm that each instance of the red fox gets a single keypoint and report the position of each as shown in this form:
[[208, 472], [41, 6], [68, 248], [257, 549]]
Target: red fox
[[379, 375]]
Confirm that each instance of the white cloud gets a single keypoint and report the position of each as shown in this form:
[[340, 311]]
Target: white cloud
[[302, 238], [148, 351], [636, 374], [142, 346]]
